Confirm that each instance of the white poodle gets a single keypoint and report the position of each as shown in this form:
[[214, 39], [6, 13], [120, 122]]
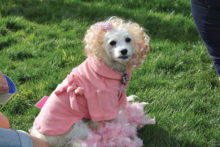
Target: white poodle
[[95, 90]]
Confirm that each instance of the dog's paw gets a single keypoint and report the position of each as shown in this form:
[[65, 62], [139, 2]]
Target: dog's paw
[[143, 103], [131, 98]]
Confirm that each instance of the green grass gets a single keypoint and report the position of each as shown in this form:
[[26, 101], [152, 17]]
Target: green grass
[[40, 42]]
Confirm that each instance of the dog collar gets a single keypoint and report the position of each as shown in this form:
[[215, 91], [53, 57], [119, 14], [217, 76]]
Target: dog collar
[[124, 79]]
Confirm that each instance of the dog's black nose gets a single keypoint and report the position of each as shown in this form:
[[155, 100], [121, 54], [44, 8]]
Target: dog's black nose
[[124, 52]]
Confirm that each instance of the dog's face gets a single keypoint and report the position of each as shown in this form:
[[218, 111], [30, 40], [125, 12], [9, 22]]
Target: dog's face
[[119, 45]]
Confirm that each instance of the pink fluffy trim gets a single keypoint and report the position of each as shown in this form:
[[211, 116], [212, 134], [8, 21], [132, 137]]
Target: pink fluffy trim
[[121, 132]]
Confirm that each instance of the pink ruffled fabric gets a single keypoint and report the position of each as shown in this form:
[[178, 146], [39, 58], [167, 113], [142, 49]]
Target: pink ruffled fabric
[[70, 85], [121, 132]]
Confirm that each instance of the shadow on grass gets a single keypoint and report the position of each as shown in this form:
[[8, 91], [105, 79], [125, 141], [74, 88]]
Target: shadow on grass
[[55, 11], [154, 136]]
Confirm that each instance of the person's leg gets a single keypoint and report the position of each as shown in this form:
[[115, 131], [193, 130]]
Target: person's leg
[[13, 138], [206, 14], [19, 138]]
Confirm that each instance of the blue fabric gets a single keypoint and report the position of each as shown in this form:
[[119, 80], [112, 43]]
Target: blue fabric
[[13, 138], [206, 14], [11, 85], [24, 139], [9, 138]]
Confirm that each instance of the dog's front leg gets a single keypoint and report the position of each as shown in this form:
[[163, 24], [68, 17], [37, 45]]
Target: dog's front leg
[[131, 98]]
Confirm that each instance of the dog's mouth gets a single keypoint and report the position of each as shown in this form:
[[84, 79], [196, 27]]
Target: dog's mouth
[[123, 57]]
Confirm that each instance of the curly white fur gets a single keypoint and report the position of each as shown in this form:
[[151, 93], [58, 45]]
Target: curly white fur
[[79, 130]]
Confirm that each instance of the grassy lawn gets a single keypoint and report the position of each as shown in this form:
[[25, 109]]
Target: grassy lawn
[[40, 42]]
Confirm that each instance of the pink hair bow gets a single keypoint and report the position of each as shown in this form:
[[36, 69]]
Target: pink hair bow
[[104, 25]]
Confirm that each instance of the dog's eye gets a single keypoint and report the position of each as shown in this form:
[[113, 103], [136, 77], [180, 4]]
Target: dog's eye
[[128, 40], [112, 43]]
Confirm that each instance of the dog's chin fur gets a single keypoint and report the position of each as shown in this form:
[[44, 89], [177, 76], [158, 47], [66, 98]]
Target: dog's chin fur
[[115, 65], [78, 131]]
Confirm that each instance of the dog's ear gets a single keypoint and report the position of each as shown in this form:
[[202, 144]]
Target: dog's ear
[[93, 40], [141, 47]]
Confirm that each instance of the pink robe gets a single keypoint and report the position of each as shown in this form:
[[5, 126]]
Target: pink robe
[[92, 90]]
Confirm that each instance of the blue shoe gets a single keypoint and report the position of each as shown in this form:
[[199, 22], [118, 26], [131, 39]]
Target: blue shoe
[[8, 90]]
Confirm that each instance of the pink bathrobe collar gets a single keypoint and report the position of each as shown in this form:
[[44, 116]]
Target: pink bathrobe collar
[[103, 70], [100, 68]]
